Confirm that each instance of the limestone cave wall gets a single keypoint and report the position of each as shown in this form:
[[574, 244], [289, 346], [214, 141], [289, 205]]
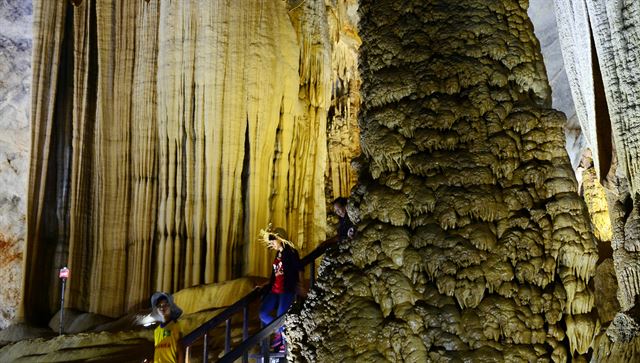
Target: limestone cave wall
[[543, 17], [15, 86], [165, 135], [608, 57], [603, 69], [473, 243]]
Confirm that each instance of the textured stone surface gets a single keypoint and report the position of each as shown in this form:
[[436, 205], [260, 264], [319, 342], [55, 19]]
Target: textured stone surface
[[606, 289], [600, 46], [542, 15], [616, 33], [623, 329], [77, 321], [574, 37], [18, 332], [608, 351], [473, 242], [130, 346], [15, 85]]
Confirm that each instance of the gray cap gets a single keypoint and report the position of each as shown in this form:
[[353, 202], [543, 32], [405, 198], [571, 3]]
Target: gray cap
[[176, 312]]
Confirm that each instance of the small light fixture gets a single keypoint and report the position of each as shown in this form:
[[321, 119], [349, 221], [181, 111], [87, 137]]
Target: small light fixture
[[76, 2]]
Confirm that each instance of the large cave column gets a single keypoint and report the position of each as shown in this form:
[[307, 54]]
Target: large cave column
[[473, 242]]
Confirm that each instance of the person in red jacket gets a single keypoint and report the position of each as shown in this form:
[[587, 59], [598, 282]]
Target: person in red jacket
[[281, 289]]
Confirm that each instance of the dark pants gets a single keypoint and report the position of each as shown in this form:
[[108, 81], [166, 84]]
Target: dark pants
[[278, 302]]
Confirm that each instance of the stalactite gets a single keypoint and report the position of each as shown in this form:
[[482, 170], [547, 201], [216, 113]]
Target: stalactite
[[272, 129], [309, 147], [343, 132]]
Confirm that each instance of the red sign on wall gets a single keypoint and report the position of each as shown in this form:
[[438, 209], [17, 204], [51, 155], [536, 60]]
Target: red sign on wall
[[64, 273]]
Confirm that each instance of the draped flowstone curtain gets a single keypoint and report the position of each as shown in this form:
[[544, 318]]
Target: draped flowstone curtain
[[192, 125], [48, 20]]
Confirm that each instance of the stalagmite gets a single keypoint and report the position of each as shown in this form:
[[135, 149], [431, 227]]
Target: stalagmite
[[465, 171]]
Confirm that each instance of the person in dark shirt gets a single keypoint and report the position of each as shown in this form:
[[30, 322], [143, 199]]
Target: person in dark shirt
[[346, 229], [281, 289]]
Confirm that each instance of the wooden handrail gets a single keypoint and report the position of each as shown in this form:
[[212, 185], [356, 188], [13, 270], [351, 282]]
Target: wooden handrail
[[313, 255], [253, 340], [242, 304], [190, 338]]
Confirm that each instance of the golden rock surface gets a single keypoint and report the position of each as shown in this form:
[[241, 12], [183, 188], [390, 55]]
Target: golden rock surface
[[167, 134], [214, 296]]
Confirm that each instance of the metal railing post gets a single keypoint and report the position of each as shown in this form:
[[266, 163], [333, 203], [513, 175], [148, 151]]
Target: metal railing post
[[205, 353], [227, 337], [261, 338], [265, 349], [245, 331], [312, 274]]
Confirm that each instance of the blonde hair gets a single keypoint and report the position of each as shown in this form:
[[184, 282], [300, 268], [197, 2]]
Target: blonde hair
[[278, 233]]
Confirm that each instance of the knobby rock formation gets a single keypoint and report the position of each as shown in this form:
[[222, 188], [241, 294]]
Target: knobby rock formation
[[473, 242]]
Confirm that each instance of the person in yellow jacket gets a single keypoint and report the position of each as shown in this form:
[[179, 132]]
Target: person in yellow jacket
[[168, 334]]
